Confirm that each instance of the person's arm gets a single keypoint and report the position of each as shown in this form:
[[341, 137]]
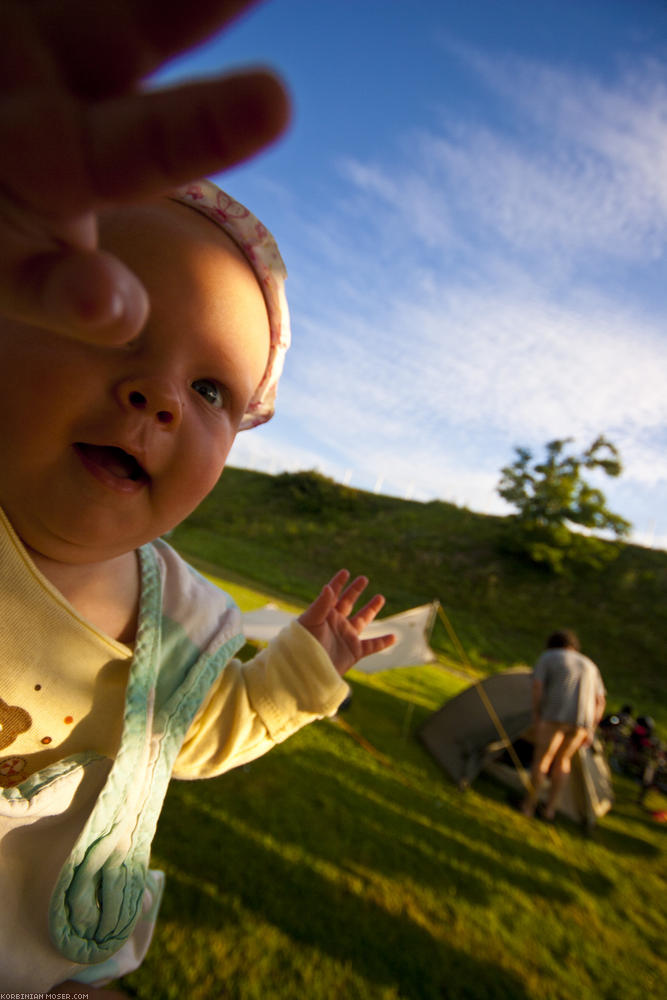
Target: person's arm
[[78, 132], [295, 680], [600, 703]]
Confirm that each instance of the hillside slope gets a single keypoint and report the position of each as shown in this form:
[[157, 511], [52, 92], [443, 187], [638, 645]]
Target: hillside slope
[[291, 532]]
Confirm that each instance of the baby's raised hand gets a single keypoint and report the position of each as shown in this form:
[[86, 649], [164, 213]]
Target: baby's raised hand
[[328, 620]]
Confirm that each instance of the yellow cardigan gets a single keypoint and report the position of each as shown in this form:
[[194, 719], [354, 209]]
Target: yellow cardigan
[[77, 817]]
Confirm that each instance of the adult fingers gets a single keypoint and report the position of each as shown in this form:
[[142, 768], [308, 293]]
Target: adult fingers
[[144, 144], [63, 157], [101, 49], [81, 158], [89, 296], [51, 275]]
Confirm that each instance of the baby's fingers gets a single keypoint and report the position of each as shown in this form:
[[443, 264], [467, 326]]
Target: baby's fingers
[[316, 614], [338, 581], [366, 615], [350, 596], [377, 644]]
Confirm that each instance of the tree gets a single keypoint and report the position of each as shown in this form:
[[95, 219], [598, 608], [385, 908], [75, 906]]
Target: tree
[[551, 496]]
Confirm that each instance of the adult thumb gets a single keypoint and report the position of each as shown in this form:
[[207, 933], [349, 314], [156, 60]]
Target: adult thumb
[[85, 294]]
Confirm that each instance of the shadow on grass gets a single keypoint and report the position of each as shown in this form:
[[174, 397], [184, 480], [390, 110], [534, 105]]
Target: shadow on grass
[[380, 715], [620, 842], [628, 810], [606, 832], [387, 949], [402, 832], [351, 863], [376, 869]]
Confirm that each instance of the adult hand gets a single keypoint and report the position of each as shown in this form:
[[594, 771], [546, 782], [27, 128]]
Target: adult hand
[[77, 134], [327, 619]]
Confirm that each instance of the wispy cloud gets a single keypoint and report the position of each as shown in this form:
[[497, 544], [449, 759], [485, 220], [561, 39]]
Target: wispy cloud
[[581, 171], [458, 301], [584, 163], [491, 365]]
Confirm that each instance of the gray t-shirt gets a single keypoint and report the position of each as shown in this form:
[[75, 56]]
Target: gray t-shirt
[[570, 685]]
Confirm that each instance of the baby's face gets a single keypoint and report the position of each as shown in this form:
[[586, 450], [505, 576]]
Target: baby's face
[[104, 449]]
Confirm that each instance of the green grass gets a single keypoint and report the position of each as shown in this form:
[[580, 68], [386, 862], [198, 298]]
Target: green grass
[[290, 533], [334, 869]]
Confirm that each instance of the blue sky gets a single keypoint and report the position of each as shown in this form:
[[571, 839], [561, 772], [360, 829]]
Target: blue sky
[[472, 206]]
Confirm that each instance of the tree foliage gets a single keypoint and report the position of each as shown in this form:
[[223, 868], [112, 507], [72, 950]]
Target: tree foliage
[[552, 496]]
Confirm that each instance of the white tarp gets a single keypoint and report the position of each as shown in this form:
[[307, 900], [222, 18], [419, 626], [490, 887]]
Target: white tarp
[[412, 630], [263, 624]]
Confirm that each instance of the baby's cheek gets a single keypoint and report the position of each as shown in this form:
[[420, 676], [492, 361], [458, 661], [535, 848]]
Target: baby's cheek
[[173, 504]]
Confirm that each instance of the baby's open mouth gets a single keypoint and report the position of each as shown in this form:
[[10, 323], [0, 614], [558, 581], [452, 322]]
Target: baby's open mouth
[[113, 460]]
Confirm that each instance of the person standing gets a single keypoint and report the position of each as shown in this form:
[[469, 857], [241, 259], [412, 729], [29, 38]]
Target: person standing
[[568, 699]]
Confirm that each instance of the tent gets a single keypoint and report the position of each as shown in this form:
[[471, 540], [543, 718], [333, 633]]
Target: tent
[[412, 630], [464, 739]]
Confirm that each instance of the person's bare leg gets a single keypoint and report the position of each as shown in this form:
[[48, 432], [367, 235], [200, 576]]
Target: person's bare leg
[[562, 767], [547, 743], [536, 778], [558, 776]]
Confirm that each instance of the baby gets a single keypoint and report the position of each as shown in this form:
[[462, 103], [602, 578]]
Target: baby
[[118, 666]]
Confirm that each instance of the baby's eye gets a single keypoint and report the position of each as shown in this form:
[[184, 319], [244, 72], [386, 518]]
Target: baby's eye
[[210, 390]]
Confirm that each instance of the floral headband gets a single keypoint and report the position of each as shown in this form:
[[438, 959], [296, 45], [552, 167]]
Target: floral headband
[[262, 252]]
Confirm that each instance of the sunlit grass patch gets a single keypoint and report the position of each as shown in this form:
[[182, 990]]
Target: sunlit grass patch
[[345, 864]]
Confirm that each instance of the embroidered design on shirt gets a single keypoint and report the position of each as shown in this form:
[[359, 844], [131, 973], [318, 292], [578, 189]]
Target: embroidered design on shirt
[[13, 722], [11, 771]]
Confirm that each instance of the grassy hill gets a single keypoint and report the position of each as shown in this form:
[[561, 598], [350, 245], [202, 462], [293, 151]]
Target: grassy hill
[[289, 533], [345, 863]]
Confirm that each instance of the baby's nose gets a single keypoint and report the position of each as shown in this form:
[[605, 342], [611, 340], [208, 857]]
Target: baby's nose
[[155, 395]]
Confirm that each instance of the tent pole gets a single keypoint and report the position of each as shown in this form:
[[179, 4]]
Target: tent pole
[[493, 715]]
